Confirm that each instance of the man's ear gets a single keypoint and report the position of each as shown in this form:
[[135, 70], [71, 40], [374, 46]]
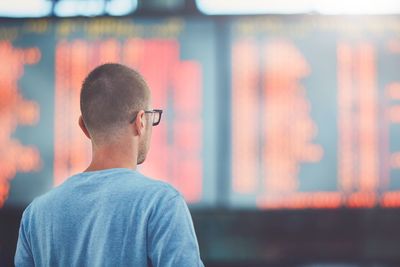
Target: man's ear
[[140, 123], [83, 127]]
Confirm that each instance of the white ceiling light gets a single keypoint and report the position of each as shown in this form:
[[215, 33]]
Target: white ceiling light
[[25, 8], [331, 7], [69, 8], [358, 7], [121, 7]]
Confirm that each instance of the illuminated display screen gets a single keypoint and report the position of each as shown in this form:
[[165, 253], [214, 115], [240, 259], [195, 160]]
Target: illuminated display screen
[[315, 112], [308, 117], [41, 142]]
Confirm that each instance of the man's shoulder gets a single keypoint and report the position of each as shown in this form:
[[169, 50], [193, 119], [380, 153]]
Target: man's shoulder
[[42, 200], [155, 186]]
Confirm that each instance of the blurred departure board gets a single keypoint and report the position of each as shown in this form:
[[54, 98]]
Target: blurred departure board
[[45, 63], [315, 105]]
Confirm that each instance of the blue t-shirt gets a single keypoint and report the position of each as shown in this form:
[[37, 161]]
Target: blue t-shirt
[[113, 217]]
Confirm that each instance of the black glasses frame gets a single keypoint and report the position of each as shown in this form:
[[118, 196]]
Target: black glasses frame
[[158, 111]]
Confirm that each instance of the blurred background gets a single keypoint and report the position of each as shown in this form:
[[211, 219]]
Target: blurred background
[[281, 125]]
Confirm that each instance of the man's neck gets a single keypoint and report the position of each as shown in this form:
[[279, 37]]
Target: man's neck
[[113, 156]]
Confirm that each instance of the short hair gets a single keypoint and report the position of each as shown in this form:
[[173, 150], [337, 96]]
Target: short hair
[[110, 96]]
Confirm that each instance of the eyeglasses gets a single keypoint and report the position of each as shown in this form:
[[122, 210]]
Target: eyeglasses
[[156, 116]]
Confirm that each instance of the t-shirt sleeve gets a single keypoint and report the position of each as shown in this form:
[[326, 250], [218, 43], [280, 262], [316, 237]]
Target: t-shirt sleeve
[[23, 255], [171, 237]]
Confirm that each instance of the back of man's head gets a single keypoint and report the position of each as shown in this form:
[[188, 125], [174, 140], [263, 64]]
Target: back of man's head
[[111, 95]]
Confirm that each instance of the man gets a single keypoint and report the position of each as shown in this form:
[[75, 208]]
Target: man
[[111, 215]]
